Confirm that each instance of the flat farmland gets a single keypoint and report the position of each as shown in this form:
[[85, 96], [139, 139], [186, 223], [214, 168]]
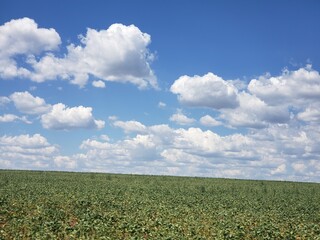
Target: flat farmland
[[62, 205]]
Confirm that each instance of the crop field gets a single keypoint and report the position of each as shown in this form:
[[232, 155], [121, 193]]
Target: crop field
[[60, 205]]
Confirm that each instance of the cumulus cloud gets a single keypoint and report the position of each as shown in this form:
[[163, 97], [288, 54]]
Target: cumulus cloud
[[276, 152], [8, 118], [57, 116], [279, 170], [119, 53], [310, 114], [26, 152], [23, 37], [4, 101], [267, 100], [27, 103], [297, 88], [181, 119], [11, 118], [63, 118], [161, 149], [254, 113], [130, 126], [121, 156], [64, 162], [209, 91], [98, 84], [209, 121]]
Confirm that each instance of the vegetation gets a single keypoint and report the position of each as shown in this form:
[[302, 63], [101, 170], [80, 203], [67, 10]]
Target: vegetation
[[60, 205]]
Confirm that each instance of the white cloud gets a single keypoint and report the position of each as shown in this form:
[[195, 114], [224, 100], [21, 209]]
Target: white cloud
[[296, 88], [299, 167], [294, 95], [26, 103], [205, 91], [65, 162], [124, 153], [161, 149], [11, 118], [35, 141], [50, 68], [209, 121], [104, 137], [8, 118], [113, 118], [254, 113], [63, 118], [23, 37], [181, 119], [130, 126], [98, 84], [291, 143], [26, 152], [311, 113], [279, 170], [4, 100], [162, 105], [32, 88], [209, 144], [278, 151], [119, 53], [58, 116]]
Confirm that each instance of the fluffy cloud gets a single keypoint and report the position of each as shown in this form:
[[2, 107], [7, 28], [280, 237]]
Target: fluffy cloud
[[160, 150], [26, 103], [122, 156], [267, 100], [64, 162], [63, 118], [279, 170], [181, 119], [209, 121], [254, 113], [26, 152], [277, 152], [23, 37], [205, 91], [130, 126], [8, 118], [11, 118], [209, 144], [295, 88], [118, 54], [58, 116], [32, 152], [98, 84], [310, 114], [4, 100]]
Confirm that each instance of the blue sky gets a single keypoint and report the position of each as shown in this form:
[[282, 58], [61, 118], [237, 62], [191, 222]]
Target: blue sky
[[197, 88]]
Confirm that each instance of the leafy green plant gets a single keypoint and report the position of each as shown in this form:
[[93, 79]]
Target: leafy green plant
[[60, 205]]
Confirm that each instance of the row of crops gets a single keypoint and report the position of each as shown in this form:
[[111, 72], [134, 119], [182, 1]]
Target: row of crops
[[60, 205]]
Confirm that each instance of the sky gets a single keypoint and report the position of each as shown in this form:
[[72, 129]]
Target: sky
[[227, 89]]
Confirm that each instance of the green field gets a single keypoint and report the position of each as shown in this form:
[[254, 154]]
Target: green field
[[59, 205]]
